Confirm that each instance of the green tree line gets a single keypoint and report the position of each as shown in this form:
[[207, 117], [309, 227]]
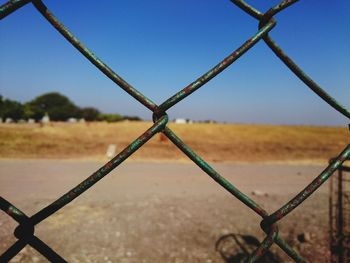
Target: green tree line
[[57, 106]]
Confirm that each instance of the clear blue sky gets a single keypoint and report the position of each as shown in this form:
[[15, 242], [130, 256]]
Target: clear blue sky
[[161, 46]]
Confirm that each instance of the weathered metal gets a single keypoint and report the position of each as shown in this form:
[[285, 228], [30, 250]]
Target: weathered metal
[[92, 57], [339, 215], [218, 68], [263, 19], [100, 173], [25, 231], [312, 187], [11, 6]]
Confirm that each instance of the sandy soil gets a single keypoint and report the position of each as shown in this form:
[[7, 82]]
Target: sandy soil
[[144, 212]]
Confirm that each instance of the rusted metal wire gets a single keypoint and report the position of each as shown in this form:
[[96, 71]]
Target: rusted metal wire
[[339, 215], [25, 231]]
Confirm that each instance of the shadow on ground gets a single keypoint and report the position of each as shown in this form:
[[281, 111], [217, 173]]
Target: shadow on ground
[[236, 248]]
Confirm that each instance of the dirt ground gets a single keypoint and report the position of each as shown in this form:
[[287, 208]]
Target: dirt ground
[[162, 212]]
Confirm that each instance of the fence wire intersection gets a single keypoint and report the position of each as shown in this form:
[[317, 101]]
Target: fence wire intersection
[[24, 232]]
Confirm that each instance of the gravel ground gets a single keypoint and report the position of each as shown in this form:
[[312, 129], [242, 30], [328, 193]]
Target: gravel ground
[[162, 212]]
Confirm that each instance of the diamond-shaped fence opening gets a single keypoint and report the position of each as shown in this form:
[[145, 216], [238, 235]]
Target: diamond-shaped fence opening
[[25, 231]]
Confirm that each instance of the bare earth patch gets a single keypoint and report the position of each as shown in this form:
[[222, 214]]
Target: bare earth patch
[[162, 212]]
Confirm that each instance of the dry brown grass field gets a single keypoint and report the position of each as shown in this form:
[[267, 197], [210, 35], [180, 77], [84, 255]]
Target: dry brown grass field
[[214, 142]]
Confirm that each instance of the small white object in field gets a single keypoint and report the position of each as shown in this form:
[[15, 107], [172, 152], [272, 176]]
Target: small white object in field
[[72, 120], [45, 119], [180, 121], [111, 151]]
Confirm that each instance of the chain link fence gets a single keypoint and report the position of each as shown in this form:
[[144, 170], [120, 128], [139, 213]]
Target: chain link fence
[[339, 215], [25, 231]]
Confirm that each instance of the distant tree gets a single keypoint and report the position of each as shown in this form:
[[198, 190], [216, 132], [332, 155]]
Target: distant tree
[[10, 109], [132, 118], [1, 106], [89, 113], [57, 106], [29, 112], [110, 117]]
